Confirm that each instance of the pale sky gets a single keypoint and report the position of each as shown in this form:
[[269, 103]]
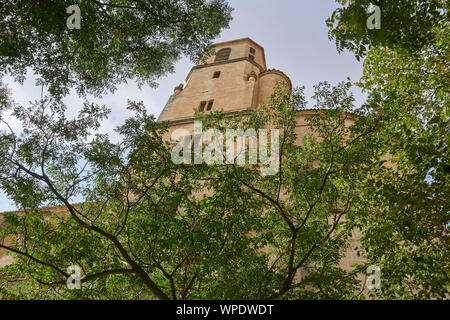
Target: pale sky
[[295, 39]]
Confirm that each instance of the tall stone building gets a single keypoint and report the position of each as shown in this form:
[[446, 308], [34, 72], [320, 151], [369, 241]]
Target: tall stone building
[[235, 80]]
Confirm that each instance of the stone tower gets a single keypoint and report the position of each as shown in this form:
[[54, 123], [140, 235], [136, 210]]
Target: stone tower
[[234, 80]]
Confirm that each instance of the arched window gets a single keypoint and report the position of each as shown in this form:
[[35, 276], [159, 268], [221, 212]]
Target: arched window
[[223, 54]]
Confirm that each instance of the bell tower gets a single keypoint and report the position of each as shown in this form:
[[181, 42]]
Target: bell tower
[[234, 80]]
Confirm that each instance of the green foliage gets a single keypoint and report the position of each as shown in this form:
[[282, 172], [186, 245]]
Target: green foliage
[[405, 25], [118, 40], [406, 74], [149, 228]]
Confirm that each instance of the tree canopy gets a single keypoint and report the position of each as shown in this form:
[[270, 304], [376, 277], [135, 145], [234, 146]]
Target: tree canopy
[[118, 40], [406, 75], [150, 228], [405, 25]]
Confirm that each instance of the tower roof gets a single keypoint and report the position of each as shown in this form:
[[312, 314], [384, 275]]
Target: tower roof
[[241, 40]]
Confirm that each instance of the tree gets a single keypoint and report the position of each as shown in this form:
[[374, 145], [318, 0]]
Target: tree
[[407, 79], [405, 25], [149, 228], [118, 40]]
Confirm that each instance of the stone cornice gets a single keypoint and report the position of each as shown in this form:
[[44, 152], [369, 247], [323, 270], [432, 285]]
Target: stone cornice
[[191, 119]]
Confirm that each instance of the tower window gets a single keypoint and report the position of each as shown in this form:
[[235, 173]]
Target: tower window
[[216, 74], [202, 106], [252, 51], [210, 105], [223, 54], [252, 57]]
